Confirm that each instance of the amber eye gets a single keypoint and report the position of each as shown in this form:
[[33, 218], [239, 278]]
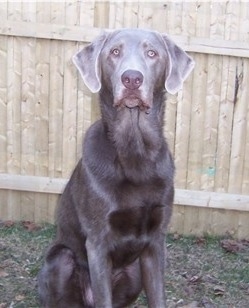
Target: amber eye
[[115, 52], [151, 53]]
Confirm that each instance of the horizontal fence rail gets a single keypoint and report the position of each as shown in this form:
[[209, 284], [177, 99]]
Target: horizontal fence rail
[[182, 197], [83, 34]]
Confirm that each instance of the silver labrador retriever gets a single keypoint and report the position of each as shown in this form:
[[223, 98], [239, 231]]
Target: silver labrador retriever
[[113, 214]]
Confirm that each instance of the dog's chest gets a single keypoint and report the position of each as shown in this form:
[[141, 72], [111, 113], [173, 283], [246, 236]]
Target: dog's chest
[[132, 229]]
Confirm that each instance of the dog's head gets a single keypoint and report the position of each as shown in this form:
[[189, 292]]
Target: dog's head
[[133, 64]]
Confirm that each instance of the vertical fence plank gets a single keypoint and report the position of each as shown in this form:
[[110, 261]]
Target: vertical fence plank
[[226, 115], [211, 108], [196, 125], [211, 123], [244, 36], [56, 60], [159, 17], [195, 154], [41, 111], [183, 113], [130, 15], [56, 94], [14, 110], [101, 14], [178, 219], [174, 17], [145, 15], [242, 230], [241, 126], [116, 14], [69, 98], [183, 105], [204, 119], [159, 21], [86, 13], [226, 105], [3, 111], [101, 20], [224, 127], [189, 19], [243, 218], [238, 141], [237, 138], [28, 109], [55, 109], [84, 100], [182, 134], [245, 183]]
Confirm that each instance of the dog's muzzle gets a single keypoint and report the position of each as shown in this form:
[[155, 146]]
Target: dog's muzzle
[[131, 94]]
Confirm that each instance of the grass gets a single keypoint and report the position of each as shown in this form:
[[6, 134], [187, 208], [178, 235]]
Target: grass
[[200, 272]]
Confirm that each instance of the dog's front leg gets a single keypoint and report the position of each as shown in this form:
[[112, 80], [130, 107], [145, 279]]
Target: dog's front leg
[[152, 266], [100, 273]]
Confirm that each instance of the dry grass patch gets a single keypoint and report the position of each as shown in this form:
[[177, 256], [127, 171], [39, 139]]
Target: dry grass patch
[[201, 272]]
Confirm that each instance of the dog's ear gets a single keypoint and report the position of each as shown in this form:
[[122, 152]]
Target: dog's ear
[[87, 62], [179, 66]]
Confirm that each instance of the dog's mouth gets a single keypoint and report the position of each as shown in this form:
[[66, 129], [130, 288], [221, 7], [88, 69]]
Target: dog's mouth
[[132, 102]]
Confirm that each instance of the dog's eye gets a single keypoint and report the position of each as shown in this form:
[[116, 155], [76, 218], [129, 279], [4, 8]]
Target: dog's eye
[[115, 52], [151, 53]]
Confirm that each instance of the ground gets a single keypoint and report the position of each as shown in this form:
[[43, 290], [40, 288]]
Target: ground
[[201, 272]]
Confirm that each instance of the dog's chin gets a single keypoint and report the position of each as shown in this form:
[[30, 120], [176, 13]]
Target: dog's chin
[[132, 102]]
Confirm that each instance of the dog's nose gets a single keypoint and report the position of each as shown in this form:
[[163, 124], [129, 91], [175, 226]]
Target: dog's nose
[[132, 79]]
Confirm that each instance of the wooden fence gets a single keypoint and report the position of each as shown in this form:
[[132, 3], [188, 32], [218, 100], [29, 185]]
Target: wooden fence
[[45, 109]]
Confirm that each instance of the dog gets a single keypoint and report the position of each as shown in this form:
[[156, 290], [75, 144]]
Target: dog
[[113, 214]]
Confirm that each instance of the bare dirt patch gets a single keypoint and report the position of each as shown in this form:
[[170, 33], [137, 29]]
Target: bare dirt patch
[[201, 272]]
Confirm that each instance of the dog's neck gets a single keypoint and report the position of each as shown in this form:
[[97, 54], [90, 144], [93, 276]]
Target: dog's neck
[[136, 135]]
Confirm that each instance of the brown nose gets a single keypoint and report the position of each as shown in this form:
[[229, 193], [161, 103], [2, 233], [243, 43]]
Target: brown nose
[[132, 79]]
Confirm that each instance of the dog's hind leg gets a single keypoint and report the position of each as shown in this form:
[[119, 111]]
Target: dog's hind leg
[[62, 283]]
